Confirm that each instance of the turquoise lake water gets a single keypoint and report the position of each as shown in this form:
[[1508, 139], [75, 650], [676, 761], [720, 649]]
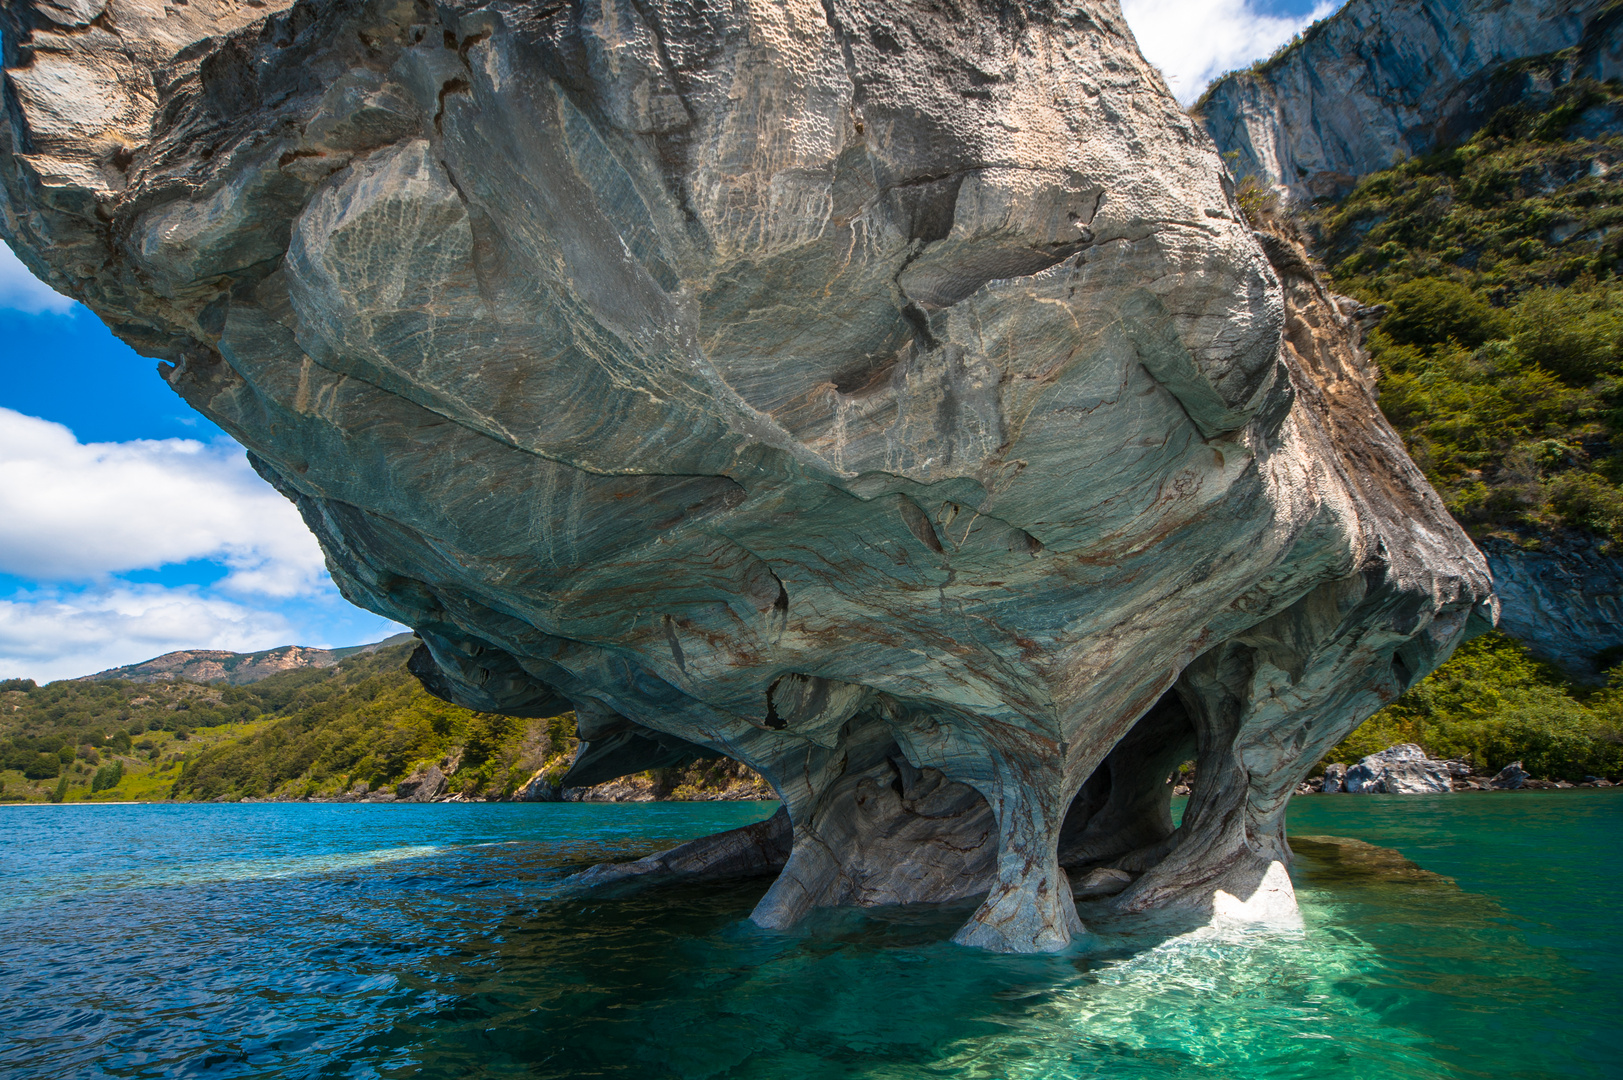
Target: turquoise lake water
[[383, 941]]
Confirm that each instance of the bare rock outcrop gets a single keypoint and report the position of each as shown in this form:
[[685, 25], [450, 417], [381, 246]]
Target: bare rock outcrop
[[890, 399], [1511, 778], [1403, 769], [1565, 600], [1382, 80], [1334, 780], [424, 785]]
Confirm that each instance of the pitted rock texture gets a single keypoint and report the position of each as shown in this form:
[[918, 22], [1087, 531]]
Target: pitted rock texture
[[886, 396], [1383, 80]]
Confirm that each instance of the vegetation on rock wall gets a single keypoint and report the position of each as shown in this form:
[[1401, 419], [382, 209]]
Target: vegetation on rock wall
[[1502, 351], [1500, 264]]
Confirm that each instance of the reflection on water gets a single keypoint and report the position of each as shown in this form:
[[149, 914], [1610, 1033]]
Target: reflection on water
[[397, 941]]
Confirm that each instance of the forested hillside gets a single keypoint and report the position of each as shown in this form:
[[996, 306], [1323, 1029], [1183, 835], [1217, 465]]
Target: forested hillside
[[1495, 703], [315, 732], [1502, 351]]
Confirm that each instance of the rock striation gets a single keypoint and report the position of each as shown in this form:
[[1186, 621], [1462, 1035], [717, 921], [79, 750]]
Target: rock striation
[[891, 401], [1380, 81], [1334, 780], [1511, 778]]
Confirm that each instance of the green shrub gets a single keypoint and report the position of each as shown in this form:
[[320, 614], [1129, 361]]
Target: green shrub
[[1588, 502], [1428, 312], [1572, 333], [42, 767], [1555, 737], [108, 776]]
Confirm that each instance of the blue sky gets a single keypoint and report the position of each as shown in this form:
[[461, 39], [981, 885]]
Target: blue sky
[[131, 526]]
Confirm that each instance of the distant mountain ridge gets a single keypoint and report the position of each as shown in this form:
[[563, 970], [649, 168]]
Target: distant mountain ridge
[[234, 668]]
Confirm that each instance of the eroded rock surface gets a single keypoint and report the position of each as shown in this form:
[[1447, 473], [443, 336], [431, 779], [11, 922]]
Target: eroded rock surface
[[1511, 778], [890, 399], [1384, 80]]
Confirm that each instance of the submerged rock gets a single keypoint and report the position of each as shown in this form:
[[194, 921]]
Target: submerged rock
[[761, 848], [1403, 769], [897, 404], [1102, 881]]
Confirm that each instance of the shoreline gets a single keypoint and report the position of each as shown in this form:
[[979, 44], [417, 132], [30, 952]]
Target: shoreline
[[1553, 788]]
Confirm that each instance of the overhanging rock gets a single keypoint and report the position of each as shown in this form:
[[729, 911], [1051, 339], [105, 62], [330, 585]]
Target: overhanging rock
[[891, 401]]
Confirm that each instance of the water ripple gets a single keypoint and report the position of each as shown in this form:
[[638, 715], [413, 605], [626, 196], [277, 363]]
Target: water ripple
[[357, 941]]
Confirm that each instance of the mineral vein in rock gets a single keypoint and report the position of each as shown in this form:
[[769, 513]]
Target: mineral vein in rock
[[886, 395]]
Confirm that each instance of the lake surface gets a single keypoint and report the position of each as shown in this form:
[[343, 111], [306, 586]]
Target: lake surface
[[382, 941]]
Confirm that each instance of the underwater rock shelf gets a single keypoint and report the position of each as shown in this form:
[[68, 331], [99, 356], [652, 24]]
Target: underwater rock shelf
[[896, 404]]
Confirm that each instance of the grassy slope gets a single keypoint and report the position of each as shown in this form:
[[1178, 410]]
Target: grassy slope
[[1502, 368]]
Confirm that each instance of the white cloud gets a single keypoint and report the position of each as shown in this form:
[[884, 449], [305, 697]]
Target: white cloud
[[56, 634], [23, 291], [72, 511], [1195, 41]]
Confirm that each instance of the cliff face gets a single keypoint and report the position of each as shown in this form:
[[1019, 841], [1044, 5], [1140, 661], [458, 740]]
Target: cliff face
[[1381, 81], [1564, 600], [895, 404]]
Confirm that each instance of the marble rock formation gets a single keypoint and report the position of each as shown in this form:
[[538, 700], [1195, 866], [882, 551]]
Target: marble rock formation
[[886, 395], [1384, 80]]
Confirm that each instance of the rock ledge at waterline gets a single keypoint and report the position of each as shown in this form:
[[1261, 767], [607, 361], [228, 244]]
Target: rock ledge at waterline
[[897, 405]]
